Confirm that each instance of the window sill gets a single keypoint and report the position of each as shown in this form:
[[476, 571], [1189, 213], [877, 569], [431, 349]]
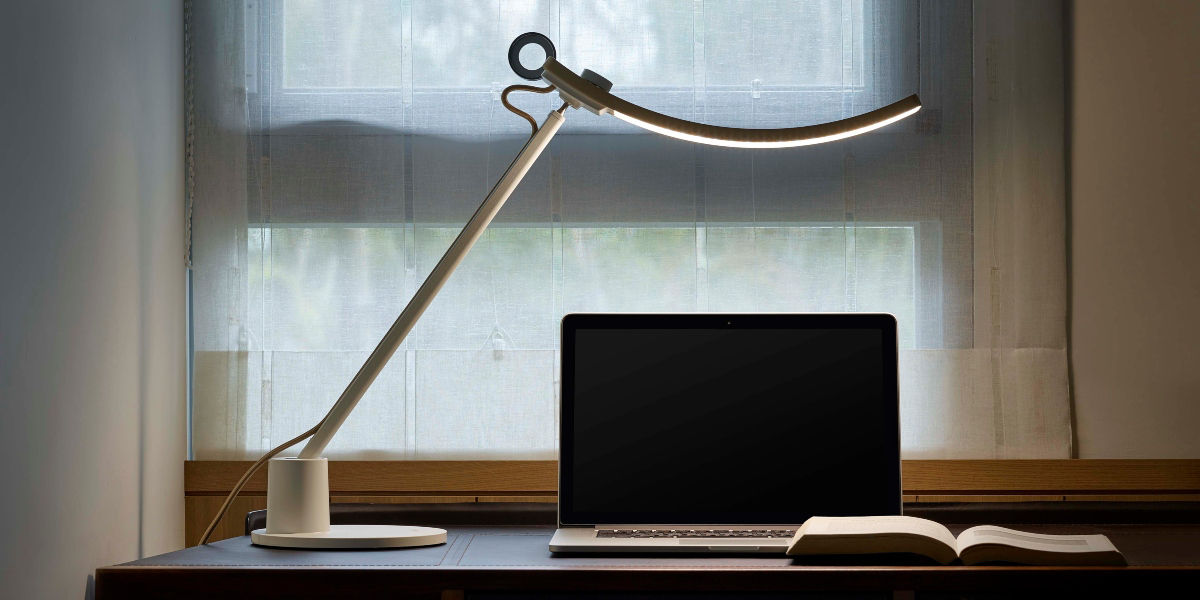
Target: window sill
[[1068, 480]]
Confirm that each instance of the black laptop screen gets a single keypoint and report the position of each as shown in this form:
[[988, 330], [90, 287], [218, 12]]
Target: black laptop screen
[[728, 418]]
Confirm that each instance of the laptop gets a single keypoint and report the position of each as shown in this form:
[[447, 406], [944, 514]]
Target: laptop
[[723, 432]]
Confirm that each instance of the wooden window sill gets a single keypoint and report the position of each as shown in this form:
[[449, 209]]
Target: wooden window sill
[[207, 482]]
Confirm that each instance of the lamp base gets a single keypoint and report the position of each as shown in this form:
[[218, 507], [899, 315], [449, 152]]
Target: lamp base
[[354, 536]]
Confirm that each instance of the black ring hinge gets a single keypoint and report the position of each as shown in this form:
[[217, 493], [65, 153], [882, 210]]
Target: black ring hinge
[[514, 54]]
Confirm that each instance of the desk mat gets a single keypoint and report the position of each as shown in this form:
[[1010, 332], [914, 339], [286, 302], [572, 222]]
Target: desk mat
[[533, 550], [239, 552], [500, 546]]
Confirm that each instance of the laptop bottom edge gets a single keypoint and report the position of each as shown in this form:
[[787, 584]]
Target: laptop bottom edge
[[585, 540]]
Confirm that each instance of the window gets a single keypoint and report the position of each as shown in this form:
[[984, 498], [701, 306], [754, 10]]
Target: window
[[369, 131]]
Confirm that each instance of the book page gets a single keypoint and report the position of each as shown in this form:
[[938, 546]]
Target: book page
[[990, 543], [872, 535], [888, 524]]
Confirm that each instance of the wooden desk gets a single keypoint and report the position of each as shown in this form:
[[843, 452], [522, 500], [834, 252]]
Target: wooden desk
[[481, 560]]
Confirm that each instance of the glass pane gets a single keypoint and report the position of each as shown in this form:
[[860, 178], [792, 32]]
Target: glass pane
[[628, 269], [480, 31], [885, 276], [792, 43], [324, 288], [632, 42], [342, 44], [777, 269], [488, 403], [501, 296], [299, 388]]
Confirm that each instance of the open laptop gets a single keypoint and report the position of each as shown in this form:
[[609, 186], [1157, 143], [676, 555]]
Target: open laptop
[[723, 432]]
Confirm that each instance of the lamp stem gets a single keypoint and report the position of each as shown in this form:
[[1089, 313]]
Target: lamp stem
[[429, 288]]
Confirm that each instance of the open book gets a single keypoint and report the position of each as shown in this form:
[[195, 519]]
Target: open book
[[986, 543]]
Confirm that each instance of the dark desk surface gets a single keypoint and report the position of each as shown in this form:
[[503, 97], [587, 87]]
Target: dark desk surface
[[516, 558]]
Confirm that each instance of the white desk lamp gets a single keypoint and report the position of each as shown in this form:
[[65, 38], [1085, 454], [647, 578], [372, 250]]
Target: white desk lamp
[[298, 488]]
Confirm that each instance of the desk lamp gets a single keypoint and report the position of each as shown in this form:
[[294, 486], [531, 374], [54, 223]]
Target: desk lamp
[[298, 488]]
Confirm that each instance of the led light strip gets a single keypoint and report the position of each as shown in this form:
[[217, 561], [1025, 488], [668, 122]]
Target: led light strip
[[787, 143], [582, 93]]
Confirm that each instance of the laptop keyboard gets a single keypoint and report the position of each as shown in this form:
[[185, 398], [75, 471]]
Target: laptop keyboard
[[695, 533]]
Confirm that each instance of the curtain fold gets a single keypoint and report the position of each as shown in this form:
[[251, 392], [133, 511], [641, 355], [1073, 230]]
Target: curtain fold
[[339, 147]]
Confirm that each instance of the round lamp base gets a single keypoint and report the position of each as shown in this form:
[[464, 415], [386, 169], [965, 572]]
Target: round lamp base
[[354, 536]]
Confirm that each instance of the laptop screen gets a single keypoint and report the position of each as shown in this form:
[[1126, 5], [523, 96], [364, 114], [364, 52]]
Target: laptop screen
[[728, 419]]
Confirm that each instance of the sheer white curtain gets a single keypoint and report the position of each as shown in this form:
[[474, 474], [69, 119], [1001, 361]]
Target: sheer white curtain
[[339, 146]]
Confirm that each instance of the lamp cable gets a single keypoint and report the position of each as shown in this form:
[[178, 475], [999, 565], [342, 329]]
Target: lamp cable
[[520, 113], [237, 487]]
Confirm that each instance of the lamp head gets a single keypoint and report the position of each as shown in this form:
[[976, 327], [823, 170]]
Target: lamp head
[[581, 92], [591, 91]]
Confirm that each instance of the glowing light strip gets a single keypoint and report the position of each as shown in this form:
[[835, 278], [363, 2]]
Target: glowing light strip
[[581, 93], [689, 137]]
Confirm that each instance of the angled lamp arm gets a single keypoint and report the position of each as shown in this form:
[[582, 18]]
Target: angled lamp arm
[[429, 288]]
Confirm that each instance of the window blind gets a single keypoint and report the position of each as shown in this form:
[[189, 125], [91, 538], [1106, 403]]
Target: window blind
[[340, 146]]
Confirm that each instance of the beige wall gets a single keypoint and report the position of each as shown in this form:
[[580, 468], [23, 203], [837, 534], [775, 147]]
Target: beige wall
[[92, 405], [1135, 228]]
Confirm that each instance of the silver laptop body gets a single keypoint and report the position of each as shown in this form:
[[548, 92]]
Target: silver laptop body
[[673, 538], [722, 433]]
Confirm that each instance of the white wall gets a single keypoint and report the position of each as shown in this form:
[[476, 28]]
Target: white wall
[[1135, 228], [92, 437]]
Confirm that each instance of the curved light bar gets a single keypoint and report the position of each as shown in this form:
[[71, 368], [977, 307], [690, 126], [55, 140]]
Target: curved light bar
[[579, 92]]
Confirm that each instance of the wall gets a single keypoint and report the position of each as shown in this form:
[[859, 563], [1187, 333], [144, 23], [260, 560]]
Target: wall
[[92, 408], [1135, 228]]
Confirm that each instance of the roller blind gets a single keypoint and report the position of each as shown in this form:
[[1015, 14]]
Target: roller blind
[[338, 147]]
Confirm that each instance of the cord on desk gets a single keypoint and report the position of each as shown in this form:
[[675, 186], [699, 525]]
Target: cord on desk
[[250, 473]]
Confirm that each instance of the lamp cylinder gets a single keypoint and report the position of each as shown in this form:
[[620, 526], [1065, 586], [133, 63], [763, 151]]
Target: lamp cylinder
[[298, 514], [298, 495]]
